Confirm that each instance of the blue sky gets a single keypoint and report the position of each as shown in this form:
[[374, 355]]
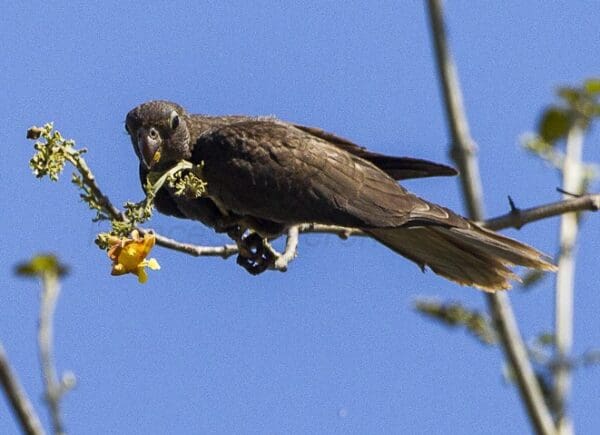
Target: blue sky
[[333, 345]]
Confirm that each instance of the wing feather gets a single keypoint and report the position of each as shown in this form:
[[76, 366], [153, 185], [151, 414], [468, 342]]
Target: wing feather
[[399, 168], [268, 170]]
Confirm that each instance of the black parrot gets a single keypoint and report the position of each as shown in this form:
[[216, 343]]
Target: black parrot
[[266, 175]]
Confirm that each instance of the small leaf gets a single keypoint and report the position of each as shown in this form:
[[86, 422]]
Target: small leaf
[[592, 86], [40, 265], [545, 339], [455, 314], [554, 125], [570, 95], [531, 278], [535, 144]]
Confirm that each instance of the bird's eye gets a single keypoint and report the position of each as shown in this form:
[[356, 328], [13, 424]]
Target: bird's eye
[[174, 120]]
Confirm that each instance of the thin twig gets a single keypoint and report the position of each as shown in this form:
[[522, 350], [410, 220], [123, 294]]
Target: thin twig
[[462, 149], [20, 403], [90, 181], [517, 218], [341, 232], [572, 178], [291, 249], [463, 154], [54, 388], [224, 251]]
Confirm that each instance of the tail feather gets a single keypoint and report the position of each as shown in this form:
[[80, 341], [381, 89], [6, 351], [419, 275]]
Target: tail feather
[[470, 256]]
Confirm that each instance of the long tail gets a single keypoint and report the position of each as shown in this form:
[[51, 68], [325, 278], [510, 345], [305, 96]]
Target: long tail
[[471, 256]]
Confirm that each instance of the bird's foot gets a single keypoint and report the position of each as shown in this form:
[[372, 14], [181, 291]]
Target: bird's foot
[[255, 253]]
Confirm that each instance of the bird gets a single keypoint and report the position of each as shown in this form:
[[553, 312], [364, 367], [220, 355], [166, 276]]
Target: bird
[[266, 175]]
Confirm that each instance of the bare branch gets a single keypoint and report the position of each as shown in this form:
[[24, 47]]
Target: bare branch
[[341, 232], [517, 218], [462, 152], [291, 249], [55, 388], [224, 251], [463, 149], [565, 277], [21, 405]]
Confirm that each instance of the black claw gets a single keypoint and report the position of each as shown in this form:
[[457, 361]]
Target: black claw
[[254, 255], [251, 266]]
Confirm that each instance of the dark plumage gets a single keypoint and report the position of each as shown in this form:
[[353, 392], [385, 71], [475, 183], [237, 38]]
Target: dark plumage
[[266, 174]]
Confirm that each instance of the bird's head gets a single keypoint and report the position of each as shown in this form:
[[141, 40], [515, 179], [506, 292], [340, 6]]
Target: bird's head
[[159, 133]]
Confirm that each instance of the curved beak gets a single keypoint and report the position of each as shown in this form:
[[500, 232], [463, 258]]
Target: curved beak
[[149, 149]]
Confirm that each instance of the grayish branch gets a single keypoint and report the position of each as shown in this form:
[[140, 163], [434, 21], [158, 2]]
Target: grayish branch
[[517, 218], [224, 251], [291, 249], [565, 278], [341, 232], [17, 398], [55, 388], [463, 149]]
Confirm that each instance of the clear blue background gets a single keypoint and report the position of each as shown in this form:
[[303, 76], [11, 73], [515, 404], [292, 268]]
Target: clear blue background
[[333, 345]]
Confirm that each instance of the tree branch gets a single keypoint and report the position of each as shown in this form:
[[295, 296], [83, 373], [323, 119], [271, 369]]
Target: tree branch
[[341, 232], [55, 389], [517, 218], [21, 405], [572, 179], [462, 151], [90, 181], [291, 249], [224, 251]]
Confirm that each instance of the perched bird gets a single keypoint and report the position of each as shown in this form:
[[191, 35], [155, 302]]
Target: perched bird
[[265, 174]]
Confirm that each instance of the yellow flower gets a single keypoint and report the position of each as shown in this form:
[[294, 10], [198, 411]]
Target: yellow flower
[[129, 255]]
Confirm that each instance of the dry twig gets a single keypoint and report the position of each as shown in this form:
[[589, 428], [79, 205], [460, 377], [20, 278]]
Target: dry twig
[[20, 403]]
